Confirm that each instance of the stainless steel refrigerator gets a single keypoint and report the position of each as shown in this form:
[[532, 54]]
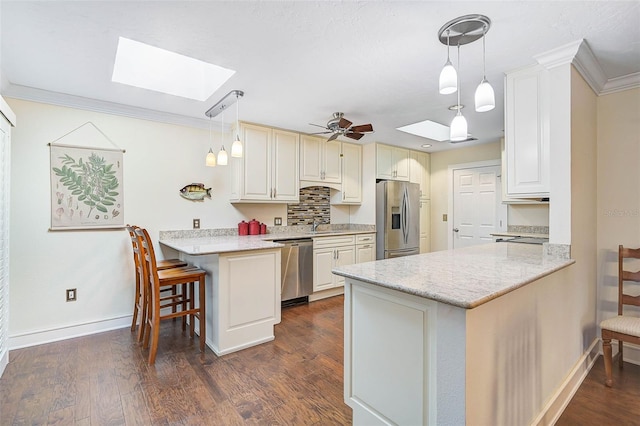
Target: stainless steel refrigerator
[[397, 219]]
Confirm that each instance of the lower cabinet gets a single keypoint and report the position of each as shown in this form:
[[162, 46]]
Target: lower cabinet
[[334, 251], [425, 226]]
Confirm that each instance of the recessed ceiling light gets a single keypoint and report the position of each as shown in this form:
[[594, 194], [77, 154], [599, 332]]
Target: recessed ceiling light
[[427, 129], [140, 65], [426, 145]]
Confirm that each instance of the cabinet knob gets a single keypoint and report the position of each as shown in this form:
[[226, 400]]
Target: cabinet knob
[[456, 230]]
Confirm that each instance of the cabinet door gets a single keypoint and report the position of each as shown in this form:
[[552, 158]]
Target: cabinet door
[[332, 164], [256, 173], [385, 168], [311, 158], [425, 183], [323, 260], [401, 161], [286, 185], [351, 173], [345, 255], [415, 168], [425, 226], [527, 133], [365, 253]]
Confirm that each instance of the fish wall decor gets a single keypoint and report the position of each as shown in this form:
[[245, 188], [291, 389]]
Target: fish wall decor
[[195, 192]]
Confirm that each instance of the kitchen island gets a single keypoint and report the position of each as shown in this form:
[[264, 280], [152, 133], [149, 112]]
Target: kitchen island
[[451, 337]]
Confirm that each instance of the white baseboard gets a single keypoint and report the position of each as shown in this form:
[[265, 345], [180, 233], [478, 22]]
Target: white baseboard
[[324, 294], [4, 361], [562, 396], [40, 337]]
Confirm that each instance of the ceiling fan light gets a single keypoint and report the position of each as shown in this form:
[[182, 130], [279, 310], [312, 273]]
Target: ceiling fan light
[[236, 148], [448, 79], [485, 98], [211, 159], [223, 159], [458, 130]]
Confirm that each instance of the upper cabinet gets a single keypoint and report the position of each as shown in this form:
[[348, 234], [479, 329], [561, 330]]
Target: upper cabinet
[[420, 172], [526, 150], [320, 160], [268, 170], [351, 188], [392, 162]]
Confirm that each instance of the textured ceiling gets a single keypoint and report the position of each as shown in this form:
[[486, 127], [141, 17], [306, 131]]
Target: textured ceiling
[[298, 62]]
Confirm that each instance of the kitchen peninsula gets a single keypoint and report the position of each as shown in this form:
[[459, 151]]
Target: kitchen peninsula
[[451, 337]]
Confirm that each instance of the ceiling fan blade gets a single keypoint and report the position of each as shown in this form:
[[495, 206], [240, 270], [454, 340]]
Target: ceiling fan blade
[[344, 123], [320, 133], [317, 125], [363, 128], [333, 136], [354, 135]]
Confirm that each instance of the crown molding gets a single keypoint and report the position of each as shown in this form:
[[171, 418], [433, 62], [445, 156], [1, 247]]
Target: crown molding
[[619, 84], [71, 101]]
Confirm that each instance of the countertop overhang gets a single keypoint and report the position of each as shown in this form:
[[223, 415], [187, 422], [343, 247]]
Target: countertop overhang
[[466, 277]]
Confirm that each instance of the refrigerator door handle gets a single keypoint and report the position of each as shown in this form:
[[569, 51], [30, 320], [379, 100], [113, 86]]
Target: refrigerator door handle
[[405, 212]]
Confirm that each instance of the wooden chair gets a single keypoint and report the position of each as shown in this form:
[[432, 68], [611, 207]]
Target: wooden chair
[[139, 305], [185, 302], [623, 328]]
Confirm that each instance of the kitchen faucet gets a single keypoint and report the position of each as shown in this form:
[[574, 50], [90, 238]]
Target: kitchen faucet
[[315, 225]]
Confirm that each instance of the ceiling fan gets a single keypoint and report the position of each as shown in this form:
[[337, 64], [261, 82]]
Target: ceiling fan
[[340, 126]]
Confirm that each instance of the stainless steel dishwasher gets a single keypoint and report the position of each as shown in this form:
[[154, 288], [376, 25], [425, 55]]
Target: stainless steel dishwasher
[[297, 271]]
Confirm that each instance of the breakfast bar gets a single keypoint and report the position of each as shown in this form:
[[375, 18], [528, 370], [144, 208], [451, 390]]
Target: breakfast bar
[[438, 338]]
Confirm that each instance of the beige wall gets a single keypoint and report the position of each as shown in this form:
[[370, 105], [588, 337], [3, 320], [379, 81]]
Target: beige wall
[[440, 162], [618, 204]]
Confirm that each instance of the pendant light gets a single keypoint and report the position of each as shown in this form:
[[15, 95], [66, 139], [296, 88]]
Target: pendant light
[[485, 98], [211, 157], [458, 129], [236, 146], [448, 76], [222, 154]]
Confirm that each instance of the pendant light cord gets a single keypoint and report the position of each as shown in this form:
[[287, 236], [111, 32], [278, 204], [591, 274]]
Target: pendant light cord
[[458, 75], [484, 57]]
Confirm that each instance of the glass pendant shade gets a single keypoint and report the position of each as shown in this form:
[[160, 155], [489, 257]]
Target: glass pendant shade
[[211, 159], [222, 157], [485, 98], [236, 148], [458, 130], [448, 79]]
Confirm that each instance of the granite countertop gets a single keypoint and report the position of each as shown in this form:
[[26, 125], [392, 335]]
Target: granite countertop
[[466, 277], [519, 234], [199, 243]]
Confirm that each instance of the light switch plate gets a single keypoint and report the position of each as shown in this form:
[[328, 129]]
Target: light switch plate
[[277, 221], [444, 217], [196, 223]]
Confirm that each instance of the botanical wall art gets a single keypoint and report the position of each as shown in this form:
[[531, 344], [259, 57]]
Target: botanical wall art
[[86, 188]]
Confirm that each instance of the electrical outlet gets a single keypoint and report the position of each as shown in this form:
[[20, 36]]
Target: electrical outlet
[[196, 223], [277, 221], [444, 217], [72, 294]]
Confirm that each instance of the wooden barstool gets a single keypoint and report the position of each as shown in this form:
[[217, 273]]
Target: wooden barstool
[[139, 305], [185, 302]]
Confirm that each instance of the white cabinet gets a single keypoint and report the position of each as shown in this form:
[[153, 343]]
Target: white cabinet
[[351, 188], [527, 133], [328, 253], [365, 248], [268, 170], [392, 162], [420, 172], [425, 226], [320, 160]]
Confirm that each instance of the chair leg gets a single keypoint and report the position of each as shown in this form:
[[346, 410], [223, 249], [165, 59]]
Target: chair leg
[[144, 313], [155, 332], [620, 361], [184, 298], [191, 305], [606, 349], [136, 303], [201, 314]]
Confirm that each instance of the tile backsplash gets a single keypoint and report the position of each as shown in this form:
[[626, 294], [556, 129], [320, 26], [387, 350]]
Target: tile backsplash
[[314, 205]]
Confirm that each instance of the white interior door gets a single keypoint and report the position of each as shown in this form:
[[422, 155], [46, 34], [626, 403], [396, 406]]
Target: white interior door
[[476, 192]]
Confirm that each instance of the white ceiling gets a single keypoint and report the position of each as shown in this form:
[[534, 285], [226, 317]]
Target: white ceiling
[[300, 61]]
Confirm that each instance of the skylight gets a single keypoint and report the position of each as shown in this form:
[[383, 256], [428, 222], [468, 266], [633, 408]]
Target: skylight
[[140, 65], [427, 129]]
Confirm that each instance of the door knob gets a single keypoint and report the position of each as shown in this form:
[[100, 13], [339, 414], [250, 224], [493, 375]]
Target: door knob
[[455, 230]]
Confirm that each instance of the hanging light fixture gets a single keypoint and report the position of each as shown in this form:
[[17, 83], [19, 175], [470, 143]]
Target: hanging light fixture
[[236, 146], [460, 31], [211, 157], [458, 128], [448, 76], [485, 98], [222, 154]]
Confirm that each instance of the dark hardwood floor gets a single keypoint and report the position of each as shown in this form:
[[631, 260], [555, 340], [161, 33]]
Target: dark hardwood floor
[[297, 379], [104, 379]]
